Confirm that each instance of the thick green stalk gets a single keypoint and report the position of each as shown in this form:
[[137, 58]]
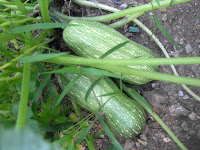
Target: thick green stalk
[[124, 62], [125, 12], [24, 96], [133, 94], [126, 70]]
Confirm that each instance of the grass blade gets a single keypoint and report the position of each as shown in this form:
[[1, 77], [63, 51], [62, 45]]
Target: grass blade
[[39, 92], [20, 6], [114, 49], [64, 92], [38, 26], [109, 133], [91, 87], [165, 33], [5, 51], [40, 57]]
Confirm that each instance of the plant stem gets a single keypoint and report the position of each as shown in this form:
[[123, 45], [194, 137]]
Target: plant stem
[[133, 94], [24, 97], [123, 13], [124, 62], [125, 20], [20, 21]]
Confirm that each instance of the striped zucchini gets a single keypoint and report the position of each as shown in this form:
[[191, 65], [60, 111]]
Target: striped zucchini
[[92, 40], [123, 115]]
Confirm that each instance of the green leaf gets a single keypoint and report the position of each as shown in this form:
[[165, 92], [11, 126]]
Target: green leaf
[[23, 139], [109, 133], [5, 37], [67, 88], [41, 57], [73, 69], [113, 49], [165, 33], [5, 51], [39, 92], [91, 87], [39, 26]]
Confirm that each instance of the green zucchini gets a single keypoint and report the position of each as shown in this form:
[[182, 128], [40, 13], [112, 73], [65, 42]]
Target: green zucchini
[[93, 39], [124, 116]]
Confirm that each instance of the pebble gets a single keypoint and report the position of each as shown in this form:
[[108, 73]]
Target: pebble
[[180, 93], [143, 137], [181, 41], [193, 116], [178, 110], [124, 5], [166, 139], [164, 18], [185, 126], [191, 132], [188, 48], [128, 34], [137, 144], [128, 144], [198, 134], [186, 97], [117, 1]]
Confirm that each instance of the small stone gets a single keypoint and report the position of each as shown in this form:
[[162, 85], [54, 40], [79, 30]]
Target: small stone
[[164, 18], [186, 97], [180, 93], [143, 137], [128, 144], [142, 142], [124, 5], [188, 48], [185, 126], [128, 34], [153, 85], [181, 41], [198, 133], [166, 139], [191, 132], [178, 110], [102, 136], [193, 116], [137, 144]]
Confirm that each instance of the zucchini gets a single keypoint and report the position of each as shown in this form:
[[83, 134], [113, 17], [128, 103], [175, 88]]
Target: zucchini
[[124, 116], [93, 39]]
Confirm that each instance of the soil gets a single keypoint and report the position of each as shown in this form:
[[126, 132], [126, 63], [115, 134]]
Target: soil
[[178, 109]]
